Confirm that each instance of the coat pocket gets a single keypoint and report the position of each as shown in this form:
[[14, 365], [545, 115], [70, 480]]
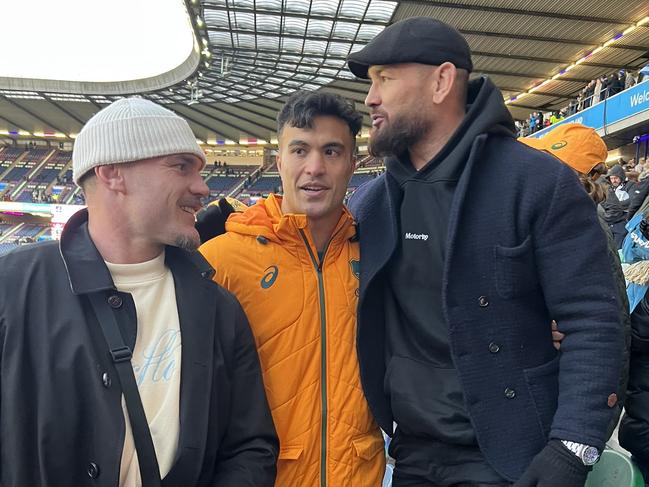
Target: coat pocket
[[516, 270], [543, 384], [368, 460], [290, 453], [291, 467]]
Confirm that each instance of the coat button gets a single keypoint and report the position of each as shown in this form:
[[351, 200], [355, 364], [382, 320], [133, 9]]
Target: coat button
[[105, 379], [115, 301], [262, 240], [510, 393], [494, 347], [483, 301], [93, 470]]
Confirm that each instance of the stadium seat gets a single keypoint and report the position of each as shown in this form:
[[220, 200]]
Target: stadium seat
[[614, 469]]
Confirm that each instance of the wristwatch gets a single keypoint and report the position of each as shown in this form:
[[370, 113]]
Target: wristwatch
[[589, 455]]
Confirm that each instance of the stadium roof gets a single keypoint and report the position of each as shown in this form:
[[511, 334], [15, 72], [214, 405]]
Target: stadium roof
[[250, 54]]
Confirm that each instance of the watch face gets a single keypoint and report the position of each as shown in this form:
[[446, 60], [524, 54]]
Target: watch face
[[590, 456]]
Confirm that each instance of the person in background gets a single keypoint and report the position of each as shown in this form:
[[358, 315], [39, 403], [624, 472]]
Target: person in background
[[634, 427]]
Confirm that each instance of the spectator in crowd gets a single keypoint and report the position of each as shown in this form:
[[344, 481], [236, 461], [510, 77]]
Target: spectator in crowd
[[532, 123], [307, 350], [638, 196], [634, 427], [599, 92], [556, 117], [620, 183], [539, 121], [616, 83], [596, 91], [125, 283], [461, 360], [639, 193], [643, 74], [616, 204], [630, 166], [589, 92], [629, 80]]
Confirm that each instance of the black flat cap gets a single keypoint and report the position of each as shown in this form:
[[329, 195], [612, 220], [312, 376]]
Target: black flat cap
[[415, 40]]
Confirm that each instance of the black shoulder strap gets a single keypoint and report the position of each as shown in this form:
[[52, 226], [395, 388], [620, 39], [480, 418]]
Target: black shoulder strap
[[121, 355]]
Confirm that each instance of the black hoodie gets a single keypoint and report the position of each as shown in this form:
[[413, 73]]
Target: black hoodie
[[422, 382]]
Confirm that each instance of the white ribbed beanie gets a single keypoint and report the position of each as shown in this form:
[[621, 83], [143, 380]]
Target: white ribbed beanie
[[131, 129]]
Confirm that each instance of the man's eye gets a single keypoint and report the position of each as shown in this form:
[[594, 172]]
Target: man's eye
[[332, 152]]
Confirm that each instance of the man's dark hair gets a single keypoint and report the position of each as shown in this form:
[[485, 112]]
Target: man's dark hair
[[303, 106]]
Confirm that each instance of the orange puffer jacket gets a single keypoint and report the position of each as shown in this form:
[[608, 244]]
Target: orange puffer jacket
[[303, 315]]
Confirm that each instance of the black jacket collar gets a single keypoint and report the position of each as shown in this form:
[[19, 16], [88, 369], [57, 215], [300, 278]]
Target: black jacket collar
[[85, 266]]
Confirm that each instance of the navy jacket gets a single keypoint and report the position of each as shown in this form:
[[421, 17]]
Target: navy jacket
[[523, 247]]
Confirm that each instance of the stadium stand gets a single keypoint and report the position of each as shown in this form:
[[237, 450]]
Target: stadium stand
[[265, 184]]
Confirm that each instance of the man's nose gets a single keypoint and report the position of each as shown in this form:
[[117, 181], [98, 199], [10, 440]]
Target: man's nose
[[372, 99], [315, 164], [200, 187]]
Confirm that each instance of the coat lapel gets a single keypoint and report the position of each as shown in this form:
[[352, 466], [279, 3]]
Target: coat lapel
[[196, 311], [377, 226], [453, 219]]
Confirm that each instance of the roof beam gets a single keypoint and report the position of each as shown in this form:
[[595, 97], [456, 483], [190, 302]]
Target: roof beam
[[557, 40], [228, 124], [283, 34], [31, 113], [527, 75], [293, 15], [255, 112], [517, 11], [64, 110], [218, 133], [547, 60], [224, 108], [263, 102], [15, 125], [544, 93], [527, 107]]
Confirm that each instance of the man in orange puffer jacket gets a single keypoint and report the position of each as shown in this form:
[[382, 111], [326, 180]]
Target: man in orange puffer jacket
[[293, 263]]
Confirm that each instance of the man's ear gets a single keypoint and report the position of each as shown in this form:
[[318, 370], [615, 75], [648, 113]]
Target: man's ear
[[445, 76], [111, 176], [278, 160]]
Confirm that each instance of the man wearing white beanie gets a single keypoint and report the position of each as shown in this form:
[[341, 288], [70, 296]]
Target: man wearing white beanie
[[121, 362]]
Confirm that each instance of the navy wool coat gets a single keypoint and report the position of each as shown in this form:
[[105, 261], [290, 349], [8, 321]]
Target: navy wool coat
[[523, 247]]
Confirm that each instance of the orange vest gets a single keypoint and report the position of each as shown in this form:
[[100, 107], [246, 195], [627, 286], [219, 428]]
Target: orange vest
[[303, 315]]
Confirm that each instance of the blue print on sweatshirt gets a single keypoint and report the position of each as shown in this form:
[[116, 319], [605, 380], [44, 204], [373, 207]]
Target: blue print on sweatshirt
[[158, 362]]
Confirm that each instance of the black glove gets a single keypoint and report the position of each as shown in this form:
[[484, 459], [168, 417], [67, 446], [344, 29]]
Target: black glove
[[644, 226], [554, 466], [210, 221]]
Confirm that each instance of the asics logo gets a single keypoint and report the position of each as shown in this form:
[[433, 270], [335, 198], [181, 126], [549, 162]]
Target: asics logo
[[356, 267], [269, 277]]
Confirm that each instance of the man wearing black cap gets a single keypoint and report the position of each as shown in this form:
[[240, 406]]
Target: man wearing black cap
[[466, 258]]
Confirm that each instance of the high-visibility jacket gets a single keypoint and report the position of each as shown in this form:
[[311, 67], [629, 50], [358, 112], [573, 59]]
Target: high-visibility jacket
[[302, 310]]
